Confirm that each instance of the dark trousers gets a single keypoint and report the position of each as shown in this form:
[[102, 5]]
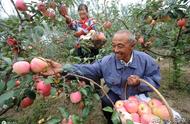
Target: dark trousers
[[106, 102]]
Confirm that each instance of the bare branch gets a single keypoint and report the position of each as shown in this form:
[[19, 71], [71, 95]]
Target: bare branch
[[162, 55]]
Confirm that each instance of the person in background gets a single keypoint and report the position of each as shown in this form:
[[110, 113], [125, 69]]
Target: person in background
[[82, 27]]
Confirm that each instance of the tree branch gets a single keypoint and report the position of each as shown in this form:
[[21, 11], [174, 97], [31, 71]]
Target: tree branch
[[123, 23], [177, 40], [162, 55], [71, 74], [17, 11]]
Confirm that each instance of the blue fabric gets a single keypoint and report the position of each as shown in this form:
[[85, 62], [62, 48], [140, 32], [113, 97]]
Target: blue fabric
[[115, 73]]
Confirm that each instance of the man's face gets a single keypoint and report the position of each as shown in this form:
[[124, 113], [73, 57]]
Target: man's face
[[121, 47], [83, 13]]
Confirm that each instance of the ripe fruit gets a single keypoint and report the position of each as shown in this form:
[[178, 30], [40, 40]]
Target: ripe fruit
[[143, 108], [131, 106], [154, 103], [21, 67], [100, 37], [63, 10], [51, 14], [150, 119], [38, 65], [107, 25], [26, 102], [44, 89], [181, 22], [133, 98], [75, 97], [20, 5], [17, 83], [162, 112], [119, 104], [135, 117], [141, 40], [41, 7], [11, 41]]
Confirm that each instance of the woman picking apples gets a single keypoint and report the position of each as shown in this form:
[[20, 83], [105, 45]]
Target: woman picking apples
[[124, 67], [85, 26]]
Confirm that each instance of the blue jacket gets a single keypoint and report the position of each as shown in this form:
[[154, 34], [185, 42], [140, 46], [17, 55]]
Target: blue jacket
[[115, 73]]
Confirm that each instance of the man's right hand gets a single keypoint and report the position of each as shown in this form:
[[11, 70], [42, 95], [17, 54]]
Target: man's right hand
[[53, 68]]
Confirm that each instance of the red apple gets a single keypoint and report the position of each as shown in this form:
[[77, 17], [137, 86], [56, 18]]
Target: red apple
[[162, 112], [20, 5], [26, 102], [63, 10], [51, 14], [107, 25], [154, 103], [143, 108], [181, 22], [135, 117], [38, 65], [21, 67], [133, 98], [11, 41], [131, 106], [41, 7], [141, 40], [75, 97], [119, 104], [44, 89], [150, 119], [17, 83]]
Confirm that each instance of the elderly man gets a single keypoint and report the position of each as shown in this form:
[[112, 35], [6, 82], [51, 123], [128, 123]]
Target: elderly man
[[125, 65]]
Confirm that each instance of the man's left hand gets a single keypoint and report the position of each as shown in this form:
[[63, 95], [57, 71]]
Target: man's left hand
[[133, 80]]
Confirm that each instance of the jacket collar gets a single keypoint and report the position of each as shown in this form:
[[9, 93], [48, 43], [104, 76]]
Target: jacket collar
[[132, 64]]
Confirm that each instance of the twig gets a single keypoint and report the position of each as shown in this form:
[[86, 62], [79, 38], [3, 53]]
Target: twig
[[17, 11], [159, 53], [71, 74], [123, 23], [177, 40]]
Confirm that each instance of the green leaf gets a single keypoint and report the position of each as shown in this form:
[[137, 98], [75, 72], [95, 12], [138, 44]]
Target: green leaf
[[86, 111], [115, 118], [54, 120], [64, 112], [6, 96], [96, 96], [10, 84], [84, 91], [129, 122], [53, 91], [75, 119], [7, 60], [2, 85], [49, 80], [108, 109]]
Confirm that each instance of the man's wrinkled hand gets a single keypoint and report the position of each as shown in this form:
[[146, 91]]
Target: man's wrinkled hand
[[53, 68], [133, 80]]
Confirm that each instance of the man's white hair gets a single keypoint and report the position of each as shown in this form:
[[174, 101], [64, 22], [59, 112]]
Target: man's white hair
[[131, 36]]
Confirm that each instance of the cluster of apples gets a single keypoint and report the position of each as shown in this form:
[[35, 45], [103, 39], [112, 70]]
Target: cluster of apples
[[37, 65], [47, 9], [141, 112]]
